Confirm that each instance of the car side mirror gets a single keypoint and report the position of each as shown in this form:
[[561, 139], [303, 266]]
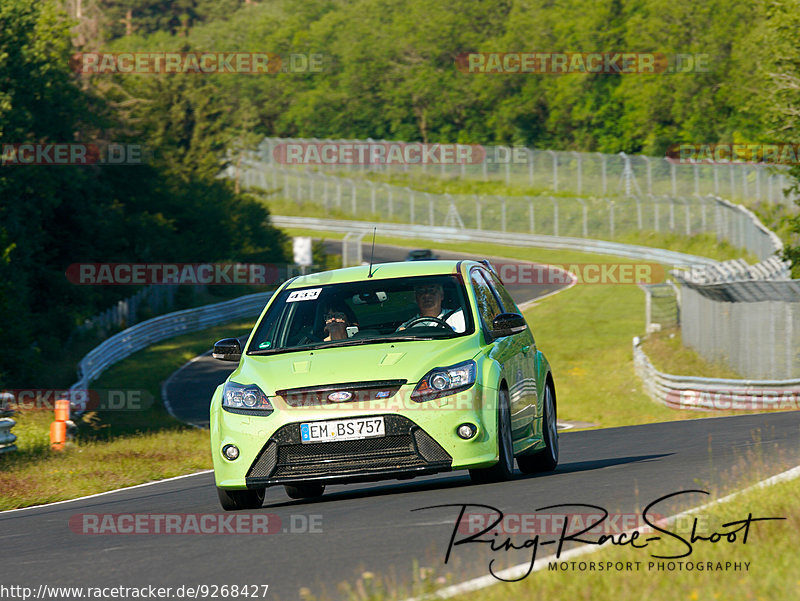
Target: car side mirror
[[506, 324], [227, 349]]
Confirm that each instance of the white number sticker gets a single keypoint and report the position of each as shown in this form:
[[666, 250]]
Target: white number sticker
[[302, 295]]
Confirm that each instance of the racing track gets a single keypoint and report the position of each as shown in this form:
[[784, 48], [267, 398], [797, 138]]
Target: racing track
[[372, 526]]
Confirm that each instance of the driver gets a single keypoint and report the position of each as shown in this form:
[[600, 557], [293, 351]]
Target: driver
[[429, 300]]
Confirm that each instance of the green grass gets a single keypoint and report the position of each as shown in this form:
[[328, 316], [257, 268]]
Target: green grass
[[113, 448], [667, 354]]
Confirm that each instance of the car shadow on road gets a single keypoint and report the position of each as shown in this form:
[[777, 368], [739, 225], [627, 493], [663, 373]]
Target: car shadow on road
[[596, 464], [456, 480]]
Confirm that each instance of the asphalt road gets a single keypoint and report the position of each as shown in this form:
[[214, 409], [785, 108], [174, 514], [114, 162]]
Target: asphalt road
[[374, 528], [189, 390]]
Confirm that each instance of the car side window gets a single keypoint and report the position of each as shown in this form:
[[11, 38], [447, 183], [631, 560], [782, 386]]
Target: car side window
[[508, 303], [488, 305]]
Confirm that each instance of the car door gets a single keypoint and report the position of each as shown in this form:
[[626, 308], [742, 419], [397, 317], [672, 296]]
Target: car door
[[505, 350], [526, 360]]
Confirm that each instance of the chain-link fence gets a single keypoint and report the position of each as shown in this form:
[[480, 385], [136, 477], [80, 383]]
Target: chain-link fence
[[579, 173], [600, 218]]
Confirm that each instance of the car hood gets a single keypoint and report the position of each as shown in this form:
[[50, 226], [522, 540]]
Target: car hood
[[388, 361]]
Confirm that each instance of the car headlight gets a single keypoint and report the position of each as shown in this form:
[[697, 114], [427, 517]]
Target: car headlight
[[241, 397], [442, 381]]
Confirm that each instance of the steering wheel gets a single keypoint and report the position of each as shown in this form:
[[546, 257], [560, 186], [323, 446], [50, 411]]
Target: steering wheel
[[440, 323]]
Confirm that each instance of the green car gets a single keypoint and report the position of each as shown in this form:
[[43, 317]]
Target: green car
[[383, 372]]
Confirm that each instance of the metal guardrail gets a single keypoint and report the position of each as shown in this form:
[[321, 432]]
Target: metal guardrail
[[159, 328], [714, 394], [451, 234], [737, 270]]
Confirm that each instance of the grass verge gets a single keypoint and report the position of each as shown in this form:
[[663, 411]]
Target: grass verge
[[113, 449], [667, 354]]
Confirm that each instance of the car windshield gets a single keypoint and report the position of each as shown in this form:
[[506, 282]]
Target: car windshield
[[364, 312]]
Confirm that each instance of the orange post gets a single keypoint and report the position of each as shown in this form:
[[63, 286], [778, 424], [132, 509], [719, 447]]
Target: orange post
[[58, 429], [62, 410]]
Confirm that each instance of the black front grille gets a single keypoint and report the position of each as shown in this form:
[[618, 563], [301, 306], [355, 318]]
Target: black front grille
[[405, 447], [360, 391]]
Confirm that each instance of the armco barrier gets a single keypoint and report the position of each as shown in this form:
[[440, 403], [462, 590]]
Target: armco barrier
[[644, 253], [159, 328], [714, 394]]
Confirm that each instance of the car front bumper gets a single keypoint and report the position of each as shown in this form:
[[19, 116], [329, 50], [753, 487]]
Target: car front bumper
[[420, 438]]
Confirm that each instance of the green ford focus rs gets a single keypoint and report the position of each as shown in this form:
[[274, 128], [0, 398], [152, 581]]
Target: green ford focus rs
[[388, 372]]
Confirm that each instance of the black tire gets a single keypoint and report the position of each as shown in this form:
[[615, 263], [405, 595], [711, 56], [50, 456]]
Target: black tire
[[304, 491], [504, 468], [234, 500], [546, 459]]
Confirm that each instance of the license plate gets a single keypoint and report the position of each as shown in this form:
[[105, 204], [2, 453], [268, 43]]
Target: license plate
[[342, 429]]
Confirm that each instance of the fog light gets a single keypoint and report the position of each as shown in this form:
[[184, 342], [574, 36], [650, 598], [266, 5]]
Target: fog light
[[466, 431], [231, 452]]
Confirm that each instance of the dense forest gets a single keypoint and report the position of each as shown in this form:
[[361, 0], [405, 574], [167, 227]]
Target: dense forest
[[388, 70]]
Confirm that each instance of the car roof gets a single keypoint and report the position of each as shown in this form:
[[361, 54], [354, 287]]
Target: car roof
[[380, 271]]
